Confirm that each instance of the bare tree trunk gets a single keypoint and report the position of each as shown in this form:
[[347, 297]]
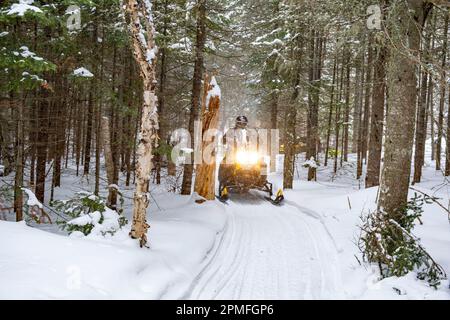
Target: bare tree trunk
[[98, 147], [290, 140], [401, 79], [206, 172], [367, 98], [347, 106], [32, 132], [18, 181], [357, 106], [145, 56], [359, 113], [42, 140], [106, 142], [443, 85], [67, 133], [117, 136], [186, 187], [7, 142], [98, 119], [60, 127], [337, 119], [88, 136], [274, 126], [376, 119], [161, 95], [447, 153], [330, 113], [440, 127], [430, 107], [316, 47], [421, 123], [129, 150]]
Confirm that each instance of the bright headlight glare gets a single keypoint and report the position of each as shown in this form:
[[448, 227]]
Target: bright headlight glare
[[244, 157]]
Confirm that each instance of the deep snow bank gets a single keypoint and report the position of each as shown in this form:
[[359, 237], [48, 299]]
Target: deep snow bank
[[35, 264], [341, 216]]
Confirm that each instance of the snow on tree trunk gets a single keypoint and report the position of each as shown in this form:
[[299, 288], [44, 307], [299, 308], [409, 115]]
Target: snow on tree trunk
[[144, 49], [206, 177]]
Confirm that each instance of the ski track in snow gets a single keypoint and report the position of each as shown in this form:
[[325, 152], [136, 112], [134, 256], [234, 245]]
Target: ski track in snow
[[270, 252]]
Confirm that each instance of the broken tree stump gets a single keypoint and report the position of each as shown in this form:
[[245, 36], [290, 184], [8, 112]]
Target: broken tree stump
[[206, 172]]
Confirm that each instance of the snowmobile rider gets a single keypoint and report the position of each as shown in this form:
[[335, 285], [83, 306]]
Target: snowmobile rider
[[241, 122], [243, 167], [236, 137]]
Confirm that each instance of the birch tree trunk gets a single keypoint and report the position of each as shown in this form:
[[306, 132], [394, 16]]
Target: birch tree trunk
[[144, 50]]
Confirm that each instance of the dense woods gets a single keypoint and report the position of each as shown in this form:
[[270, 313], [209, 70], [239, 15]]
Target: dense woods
[[113, 102], [339, 79]]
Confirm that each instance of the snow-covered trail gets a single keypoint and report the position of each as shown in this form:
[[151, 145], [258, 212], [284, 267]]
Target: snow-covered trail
[[269, 252]]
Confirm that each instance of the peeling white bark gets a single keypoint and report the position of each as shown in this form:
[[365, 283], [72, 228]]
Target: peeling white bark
[[143, 46]]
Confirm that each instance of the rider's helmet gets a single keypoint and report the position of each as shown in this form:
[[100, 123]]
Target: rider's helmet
[[241, 122]]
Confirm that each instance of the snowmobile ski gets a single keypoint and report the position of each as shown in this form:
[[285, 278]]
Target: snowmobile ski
[[278, 199], [223, 200], [223, 195]]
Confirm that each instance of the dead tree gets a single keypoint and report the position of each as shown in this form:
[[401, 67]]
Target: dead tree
[[205, 178]]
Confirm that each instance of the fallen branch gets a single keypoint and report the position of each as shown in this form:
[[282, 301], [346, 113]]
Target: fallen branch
[[434, 200], [417, 241]]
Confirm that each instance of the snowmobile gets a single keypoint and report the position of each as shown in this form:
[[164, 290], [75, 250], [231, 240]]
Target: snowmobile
[[249, 171], [245, 171]]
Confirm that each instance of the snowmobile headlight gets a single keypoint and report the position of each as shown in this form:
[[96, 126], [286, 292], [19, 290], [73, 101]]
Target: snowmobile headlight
[[244, 157]]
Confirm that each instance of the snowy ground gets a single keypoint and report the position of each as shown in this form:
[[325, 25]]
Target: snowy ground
[[248, 249]]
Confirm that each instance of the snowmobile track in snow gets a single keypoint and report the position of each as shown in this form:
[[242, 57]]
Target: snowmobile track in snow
[[269, 252]]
